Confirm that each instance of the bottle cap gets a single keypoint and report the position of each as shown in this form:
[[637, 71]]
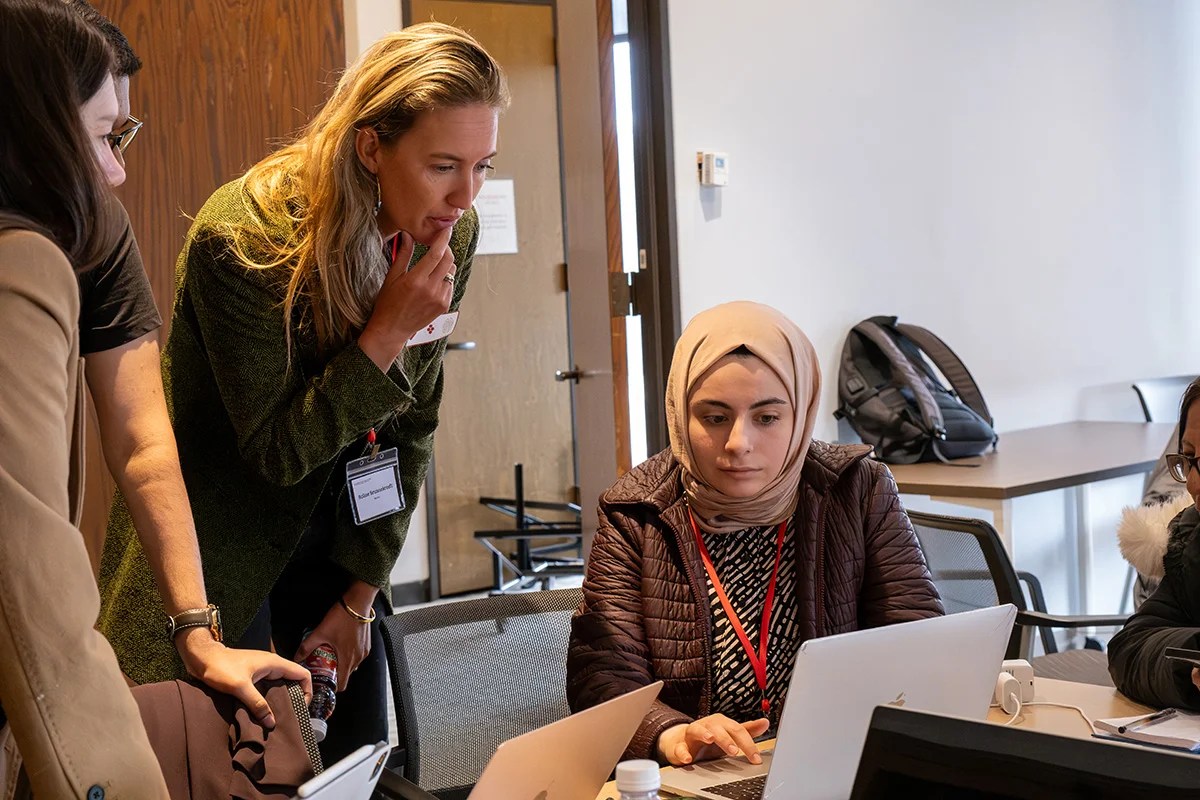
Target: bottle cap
[[320, 728], [638, 775]]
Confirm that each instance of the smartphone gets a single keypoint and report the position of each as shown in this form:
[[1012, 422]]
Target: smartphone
[[1183, 654]]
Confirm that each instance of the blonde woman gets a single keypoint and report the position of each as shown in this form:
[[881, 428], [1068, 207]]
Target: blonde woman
[[313, 298]]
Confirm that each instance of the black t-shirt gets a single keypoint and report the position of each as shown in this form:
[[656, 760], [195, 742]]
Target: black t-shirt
[[116, 304]]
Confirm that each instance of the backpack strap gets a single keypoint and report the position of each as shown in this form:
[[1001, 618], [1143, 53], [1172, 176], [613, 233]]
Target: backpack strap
[[905, 372], [951, 366]]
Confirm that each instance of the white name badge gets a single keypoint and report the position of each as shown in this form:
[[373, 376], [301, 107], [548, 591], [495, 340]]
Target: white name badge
[[440, 328], [374, 484]]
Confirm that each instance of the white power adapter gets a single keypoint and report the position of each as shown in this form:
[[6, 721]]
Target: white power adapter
[[1020, 669], [1007, 694]]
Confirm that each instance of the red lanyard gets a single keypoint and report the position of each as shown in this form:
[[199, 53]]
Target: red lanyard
[[757, 660]]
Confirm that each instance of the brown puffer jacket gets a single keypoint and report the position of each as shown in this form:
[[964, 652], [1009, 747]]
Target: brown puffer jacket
[[646, 615]]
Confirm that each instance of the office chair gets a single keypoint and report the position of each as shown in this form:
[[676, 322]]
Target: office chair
[[1160, 397], [971, 570], [470, 675]]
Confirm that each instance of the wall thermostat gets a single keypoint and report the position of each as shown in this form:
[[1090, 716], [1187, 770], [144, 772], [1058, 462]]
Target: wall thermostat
[[713, 167]]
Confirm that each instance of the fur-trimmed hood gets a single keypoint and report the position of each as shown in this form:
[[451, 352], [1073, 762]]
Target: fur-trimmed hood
[[1143, 532]]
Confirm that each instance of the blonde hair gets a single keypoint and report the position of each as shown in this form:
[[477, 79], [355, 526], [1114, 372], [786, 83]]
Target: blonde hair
[[327, 196]]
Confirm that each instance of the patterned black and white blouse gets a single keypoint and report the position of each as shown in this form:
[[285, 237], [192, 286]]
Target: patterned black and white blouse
[[743, 562]]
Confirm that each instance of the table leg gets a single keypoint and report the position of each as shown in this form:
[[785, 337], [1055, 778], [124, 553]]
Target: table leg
[[1077, 500]]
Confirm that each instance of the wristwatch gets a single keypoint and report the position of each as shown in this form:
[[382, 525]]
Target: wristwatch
[[209, 617]]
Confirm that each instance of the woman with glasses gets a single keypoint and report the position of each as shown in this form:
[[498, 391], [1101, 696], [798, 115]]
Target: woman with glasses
[[118, 338], [304, 366], [62, 693], [1171, 616]]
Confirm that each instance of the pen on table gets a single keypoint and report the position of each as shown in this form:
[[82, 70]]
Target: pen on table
[[1166, 713]]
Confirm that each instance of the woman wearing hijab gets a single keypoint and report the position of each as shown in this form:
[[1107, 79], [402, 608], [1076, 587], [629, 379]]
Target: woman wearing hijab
[[744, 525]]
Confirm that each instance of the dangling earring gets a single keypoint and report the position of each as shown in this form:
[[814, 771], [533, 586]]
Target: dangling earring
[[378, 196]]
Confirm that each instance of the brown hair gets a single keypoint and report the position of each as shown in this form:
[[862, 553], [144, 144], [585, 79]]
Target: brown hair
[[51, 62], [126, 61], [320, 186]]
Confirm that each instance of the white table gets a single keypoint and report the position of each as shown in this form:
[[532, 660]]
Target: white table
[[1069, 456]]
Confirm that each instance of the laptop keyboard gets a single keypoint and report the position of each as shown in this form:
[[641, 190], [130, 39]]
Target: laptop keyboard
[[749, 789]]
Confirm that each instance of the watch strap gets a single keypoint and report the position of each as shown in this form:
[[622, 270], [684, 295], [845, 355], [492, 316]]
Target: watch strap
[[209, 617]]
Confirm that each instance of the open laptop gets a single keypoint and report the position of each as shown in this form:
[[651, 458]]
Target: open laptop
[[947, 665], [352, 778], [569, 759], [914, 754], [565, 760]]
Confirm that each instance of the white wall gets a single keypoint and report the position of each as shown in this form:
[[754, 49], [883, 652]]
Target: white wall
[[366, 22], [1020, 177]]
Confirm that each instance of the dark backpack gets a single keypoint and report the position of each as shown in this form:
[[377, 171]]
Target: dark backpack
[[896, 402]]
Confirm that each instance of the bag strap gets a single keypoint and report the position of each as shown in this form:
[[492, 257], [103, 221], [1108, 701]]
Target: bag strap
[[951, 366], [904, 370]]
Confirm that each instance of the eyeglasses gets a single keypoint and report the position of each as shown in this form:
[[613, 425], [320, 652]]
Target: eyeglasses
[[1180, 465], [120, 140]]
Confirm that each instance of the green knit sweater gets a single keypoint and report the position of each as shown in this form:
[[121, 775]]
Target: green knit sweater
[[260, 443]]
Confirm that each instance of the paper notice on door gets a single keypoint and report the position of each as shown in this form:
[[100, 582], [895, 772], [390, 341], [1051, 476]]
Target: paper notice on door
[[497, 217]]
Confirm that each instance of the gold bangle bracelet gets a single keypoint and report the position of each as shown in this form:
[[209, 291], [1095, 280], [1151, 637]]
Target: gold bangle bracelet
[[355, 614]]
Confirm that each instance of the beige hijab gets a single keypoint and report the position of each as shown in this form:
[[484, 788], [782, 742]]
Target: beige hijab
[[775, 339]]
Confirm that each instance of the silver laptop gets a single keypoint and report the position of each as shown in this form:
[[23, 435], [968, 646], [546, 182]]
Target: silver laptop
[[569, 759], [565, 760], [947, 665], [352, 778]]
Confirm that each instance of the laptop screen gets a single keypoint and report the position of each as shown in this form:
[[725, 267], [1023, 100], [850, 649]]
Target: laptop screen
[[910, 753]]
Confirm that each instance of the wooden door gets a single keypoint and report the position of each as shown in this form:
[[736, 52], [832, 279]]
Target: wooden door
[[502, 405], [223, 82]]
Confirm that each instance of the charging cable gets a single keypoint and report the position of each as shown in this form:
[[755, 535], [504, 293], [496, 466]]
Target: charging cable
[[1086, 718], [1013, 706]]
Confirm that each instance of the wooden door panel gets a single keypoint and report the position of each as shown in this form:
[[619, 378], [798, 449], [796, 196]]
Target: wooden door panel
[[223, 82]]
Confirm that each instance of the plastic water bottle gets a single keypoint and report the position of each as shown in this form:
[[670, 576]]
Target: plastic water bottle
[[322, 663], [638, 780]]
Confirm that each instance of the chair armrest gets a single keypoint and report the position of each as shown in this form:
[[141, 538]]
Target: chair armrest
[[393, 787], [1040, 619]]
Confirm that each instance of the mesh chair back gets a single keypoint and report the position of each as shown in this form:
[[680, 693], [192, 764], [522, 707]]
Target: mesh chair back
[[968, 564], [470, 675], [1160, 396]]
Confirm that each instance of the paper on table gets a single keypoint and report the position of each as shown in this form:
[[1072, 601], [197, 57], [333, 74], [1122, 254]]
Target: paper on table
[[1181, 730]]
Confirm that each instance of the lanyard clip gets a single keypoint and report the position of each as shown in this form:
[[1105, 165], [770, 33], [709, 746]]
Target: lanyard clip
[[372, 448]]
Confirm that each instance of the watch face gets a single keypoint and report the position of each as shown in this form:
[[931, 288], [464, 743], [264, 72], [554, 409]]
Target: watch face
[[215, 622]]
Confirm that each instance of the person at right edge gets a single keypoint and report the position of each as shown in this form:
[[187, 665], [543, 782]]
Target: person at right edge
[[746, 524], [1170, 617], [313, 299]]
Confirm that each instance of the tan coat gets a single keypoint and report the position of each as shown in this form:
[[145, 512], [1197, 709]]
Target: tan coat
[[70, 712]]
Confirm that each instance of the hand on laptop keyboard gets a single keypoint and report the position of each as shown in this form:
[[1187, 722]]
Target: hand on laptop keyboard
[[713, 736]]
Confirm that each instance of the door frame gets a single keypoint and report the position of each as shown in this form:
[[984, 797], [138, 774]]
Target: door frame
[[656, 288]]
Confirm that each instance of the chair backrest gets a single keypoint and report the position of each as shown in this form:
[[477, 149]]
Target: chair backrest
[[469, 675], [1160, 396], [969, 566]]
